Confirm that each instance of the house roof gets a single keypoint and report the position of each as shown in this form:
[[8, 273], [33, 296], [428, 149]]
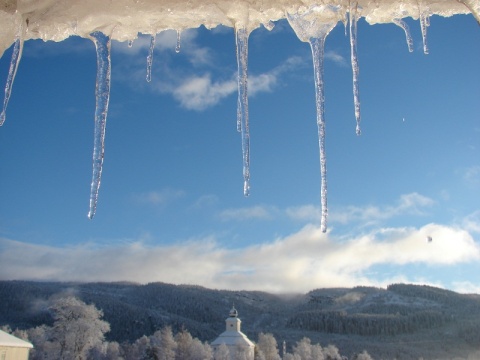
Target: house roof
[[11, 341]]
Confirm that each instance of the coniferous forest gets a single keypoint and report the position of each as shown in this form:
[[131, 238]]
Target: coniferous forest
[[164, 321]]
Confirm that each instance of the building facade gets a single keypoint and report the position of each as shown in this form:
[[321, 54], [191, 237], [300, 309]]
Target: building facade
[[13, 348]]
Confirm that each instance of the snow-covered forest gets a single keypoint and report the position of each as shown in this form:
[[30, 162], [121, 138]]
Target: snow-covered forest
[[78, 333], [164, 321]]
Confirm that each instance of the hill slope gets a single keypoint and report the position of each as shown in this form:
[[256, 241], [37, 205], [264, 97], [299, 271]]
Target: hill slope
[[402, 321]]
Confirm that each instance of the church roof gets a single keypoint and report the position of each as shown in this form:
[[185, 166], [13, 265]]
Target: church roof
[[233, 335], [9, 340], [233, 338]]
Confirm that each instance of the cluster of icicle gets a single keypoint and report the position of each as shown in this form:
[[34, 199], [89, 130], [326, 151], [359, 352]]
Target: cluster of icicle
[[311, 23]]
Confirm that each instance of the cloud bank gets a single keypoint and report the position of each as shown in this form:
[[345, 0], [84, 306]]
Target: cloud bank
[[299, 262]]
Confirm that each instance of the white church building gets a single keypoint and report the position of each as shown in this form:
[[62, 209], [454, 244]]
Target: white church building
[[236, 341]]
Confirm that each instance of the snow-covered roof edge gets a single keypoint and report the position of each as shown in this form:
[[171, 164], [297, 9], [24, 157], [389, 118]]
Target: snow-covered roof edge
[[11, 341], [124, 19]]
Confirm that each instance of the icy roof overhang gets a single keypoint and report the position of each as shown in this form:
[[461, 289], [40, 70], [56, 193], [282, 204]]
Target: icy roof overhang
[[124, 19]]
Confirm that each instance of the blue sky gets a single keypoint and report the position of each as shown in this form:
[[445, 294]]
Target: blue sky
[[171, 205]]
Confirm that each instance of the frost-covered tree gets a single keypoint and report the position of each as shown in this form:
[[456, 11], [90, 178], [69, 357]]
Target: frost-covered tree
[[267, 347], [331, 353], [139, 350], [241, 353], [183, 340], [364, 355], [289, 356], [317, 352], [200, 351], [77, 328], [303, 349], [221, 353]]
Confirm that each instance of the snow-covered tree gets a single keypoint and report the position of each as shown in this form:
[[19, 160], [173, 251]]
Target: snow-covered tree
[[221, 353], [331, 353], [303, 349], [317, 352], [289, 356], [267, 347], [77, 329], [242, 353]]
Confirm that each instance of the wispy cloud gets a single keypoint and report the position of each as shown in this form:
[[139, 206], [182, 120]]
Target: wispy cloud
[[472, 175], [336, 58], [199, 92], [196, 89], [159, 197], [413, 203], [301, 261], [248, 213]]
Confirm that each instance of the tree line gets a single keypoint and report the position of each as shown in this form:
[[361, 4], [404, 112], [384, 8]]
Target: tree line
[[78, 333]]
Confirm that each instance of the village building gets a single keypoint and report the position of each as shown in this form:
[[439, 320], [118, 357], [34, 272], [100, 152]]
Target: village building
[[13, 348], [236, 341]]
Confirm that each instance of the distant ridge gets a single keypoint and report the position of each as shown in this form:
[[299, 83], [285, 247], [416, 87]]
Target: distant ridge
[[403, 321]]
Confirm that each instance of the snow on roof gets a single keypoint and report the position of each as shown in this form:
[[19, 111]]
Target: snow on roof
[[124, 19], [12, 341], [232, 338]]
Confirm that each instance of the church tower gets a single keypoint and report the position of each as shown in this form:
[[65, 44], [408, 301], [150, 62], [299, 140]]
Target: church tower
[[234, 339]]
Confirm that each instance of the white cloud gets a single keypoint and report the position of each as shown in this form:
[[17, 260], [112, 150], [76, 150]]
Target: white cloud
[[160, 197], [472, 175], [299, 262], [472, 222], [200, 92], [336, 58], [412, 203], [247, 213], [466, 287]]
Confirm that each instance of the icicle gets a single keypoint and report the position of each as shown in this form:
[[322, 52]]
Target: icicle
[[12, 71], [318, 48], [102, 95], [130, 43], [424, 24], [177, 47], [150, 58], [241, 37], [354, 60], [404, 26], [239, 116], [308, 29]]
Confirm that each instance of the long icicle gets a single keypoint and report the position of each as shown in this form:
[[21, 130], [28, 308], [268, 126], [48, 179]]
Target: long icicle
[[12, 71], [309, 29], [404, 26], [150, 57], [424, 24], [102, 95], [318, 50], [177, 46], [241, 37], [354, 59]]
